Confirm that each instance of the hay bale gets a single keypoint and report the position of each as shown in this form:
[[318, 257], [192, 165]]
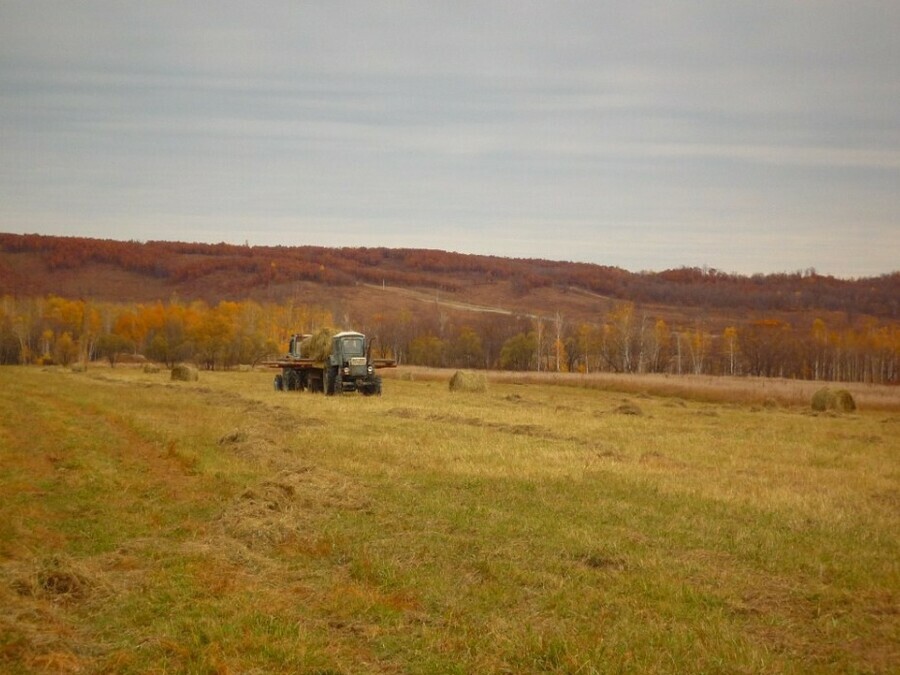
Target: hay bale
[[839, 400], [842, 401], [468, 382], [318, 345], [185, 373], [820, 399], [151, 368]]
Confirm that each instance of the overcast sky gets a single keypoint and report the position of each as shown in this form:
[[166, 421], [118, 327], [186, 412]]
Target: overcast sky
[[758, 136]]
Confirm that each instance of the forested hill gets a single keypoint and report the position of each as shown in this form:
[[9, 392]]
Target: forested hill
[[35, 265]]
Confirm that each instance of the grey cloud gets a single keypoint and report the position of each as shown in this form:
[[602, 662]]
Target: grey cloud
[[636, 127]]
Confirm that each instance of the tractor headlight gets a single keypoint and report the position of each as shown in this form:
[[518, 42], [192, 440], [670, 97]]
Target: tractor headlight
[[371, 369], [346, 371]]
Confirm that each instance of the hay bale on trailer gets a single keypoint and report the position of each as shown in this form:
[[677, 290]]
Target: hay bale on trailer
[[318, 345], [185, 373], [468, 382], [839, 400]]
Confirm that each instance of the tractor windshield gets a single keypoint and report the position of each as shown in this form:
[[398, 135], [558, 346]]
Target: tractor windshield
[[353, 346]]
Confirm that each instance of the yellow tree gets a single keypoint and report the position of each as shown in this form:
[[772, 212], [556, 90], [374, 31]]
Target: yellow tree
[[618, 346], [251, 335], [730, 337], [466, 350], [819, 348], [129, 325], [427, 350], [561, 355], [586, 341], [699, 346], [660, 347], [65, 351]]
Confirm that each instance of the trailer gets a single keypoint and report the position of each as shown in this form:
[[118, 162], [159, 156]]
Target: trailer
[[333, 366]]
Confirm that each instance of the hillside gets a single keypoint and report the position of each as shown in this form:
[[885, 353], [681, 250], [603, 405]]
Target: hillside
[[106, 270]]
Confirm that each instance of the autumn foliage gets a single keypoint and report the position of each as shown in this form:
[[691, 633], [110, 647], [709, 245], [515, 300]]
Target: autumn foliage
[[242, 304]]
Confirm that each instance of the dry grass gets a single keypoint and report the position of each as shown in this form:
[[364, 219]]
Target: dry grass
[[532, 528], [766, 392]]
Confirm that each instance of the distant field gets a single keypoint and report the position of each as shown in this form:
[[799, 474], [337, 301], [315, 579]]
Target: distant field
[[609, 525], [764, 391]]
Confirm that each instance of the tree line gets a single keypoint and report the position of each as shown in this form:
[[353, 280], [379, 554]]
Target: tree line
[[624, 339]]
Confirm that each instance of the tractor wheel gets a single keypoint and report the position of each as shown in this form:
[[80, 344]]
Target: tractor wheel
[[338, 384], [279, 382], [328, 382], [372, 388]]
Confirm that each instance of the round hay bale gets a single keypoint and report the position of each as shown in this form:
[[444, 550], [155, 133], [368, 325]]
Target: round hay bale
[[842, 401], [468, 382], [839, 400], [185, 373], [820, 399], [151, 368]]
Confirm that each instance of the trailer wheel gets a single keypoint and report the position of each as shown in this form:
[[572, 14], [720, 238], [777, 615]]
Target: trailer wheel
[[328, 382], [279, 382], [291, 380]]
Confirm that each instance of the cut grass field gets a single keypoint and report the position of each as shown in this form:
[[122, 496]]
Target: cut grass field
[[220, 526]]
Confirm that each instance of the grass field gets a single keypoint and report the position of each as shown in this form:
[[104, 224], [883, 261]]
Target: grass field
[[220, 526]]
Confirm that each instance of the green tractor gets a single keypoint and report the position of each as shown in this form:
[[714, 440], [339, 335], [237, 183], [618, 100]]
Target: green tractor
[[330, 363]]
